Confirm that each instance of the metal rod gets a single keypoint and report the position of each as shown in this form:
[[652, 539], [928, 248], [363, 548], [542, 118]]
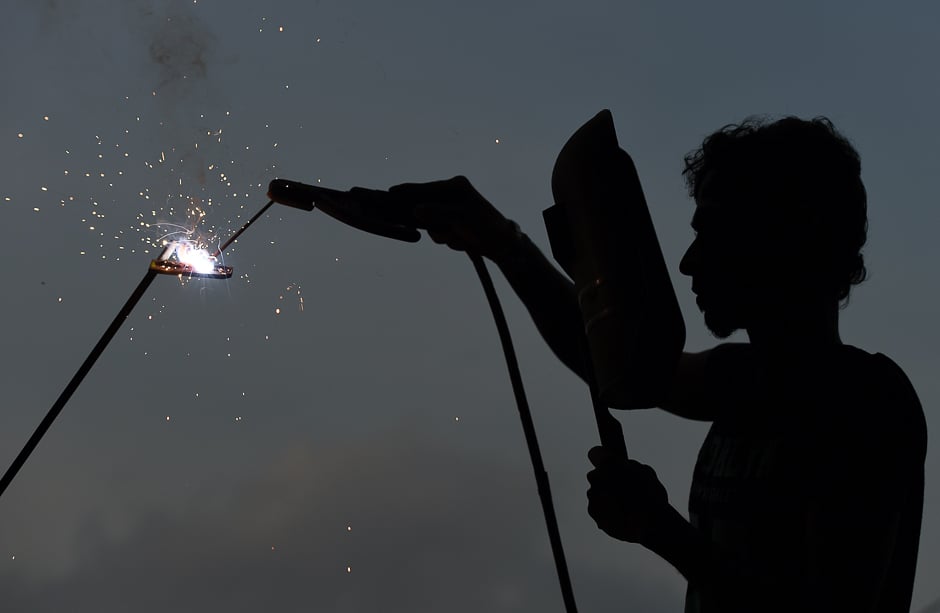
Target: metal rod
[[235, 236], [76, 380], [93, 357]]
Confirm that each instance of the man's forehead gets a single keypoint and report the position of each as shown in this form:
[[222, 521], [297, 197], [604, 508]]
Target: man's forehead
[[711, 213], [707, 213]]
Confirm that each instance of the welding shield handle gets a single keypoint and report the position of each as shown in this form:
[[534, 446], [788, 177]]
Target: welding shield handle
[[609, 428]]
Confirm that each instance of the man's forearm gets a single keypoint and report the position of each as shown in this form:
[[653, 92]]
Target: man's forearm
[[678, 542], [549, 297]]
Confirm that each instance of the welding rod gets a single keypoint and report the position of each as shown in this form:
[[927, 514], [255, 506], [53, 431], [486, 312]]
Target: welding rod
[[233, 237]]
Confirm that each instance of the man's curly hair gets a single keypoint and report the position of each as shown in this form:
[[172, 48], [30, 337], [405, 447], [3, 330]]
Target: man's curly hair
[[805, 177]]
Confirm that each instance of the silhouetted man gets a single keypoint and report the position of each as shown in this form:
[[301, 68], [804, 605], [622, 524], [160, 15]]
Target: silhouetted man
[[808, 490]]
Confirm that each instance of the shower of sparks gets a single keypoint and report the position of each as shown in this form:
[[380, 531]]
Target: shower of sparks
[[291, 291], [150, 176], [142, 180]]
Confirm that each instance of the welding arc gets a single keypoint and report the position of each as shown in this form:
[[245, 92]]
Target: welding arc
[[528, 429], [93, 357]]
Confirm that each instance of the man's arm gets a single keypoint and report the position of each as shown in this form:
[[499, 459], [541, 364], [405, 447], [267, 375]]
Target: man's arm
[[548, 295], [551, 301], [455, 214], [688, 395]]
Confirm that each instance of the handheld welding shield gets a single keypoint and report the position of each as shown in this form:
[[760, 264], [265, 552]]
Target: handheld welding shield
[[371, 210], [602, 235]]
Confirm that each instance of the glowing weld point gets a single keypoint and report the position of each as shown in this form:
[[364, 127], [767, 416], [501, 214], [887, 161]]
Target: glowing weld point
[[184, 258]]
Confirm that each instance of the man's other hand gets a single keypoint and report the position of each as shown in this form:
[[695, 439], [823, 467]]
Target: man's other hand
[[626, 498]]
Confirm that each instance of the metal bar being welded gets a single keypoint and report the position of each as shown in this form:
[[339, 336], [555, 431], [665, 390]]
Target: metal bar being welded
[[76, 380], [96, 353]]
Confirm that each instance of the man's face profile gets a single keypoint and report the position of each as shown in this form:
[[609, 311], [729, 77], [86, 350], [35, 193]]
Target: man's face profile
[[708, 261], [726, 262]]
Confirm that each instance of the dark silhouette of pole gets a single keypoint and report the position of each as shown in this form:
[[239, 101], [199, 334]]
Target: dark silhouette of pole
[[77, 379]]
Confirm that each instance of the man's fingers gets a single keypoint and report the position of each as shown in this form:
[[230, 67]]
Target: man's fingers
[[447, 238], [433, 215], [594, 477], [599, 456], [438, 237], [431, 191]]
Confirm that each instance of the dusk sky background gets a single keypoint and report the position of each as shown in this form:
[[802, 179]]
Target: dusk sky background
[[333, 429]]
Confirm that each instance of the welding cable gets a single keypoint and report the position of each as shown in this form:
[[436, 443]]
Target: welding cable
[[528, 428]]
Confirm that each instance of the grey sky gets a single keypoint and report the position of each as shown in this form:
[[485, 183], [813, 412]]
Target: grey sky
[[383, 405]]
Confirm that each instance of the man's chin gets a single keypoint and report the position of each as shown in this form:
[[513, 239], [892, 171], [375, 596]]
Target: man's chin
[[720, 326]]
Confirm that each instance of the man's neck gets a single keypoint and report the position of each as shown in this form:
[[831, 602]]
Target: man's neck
[[790, 330]]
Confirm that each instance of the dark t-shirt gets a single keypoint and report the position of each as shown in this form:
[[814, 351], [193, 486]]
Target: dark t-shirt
[[809, 484]]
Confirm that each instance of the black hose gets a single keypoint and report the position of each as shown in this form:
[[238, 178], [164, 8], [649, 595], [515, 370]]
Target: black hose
[[528, 428]]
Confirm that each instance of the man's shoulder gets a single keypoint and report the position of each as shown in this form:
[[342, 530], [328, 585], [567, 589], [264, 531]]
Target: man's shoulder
[[868, 389], [900, 404], [869, 403]]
